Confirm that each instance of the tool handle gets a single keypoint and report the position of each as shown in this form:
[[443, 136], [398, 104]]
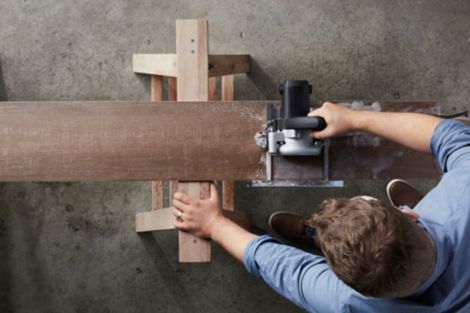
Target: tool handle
[[304, 122]]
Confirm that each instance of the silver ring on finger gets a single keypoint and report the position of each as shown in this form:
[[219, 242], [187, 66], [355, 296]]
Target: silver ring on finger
[[179, 214]]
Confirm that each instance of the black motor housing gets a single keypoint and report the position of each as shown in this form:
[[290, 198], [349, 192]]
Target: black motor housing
[[295, 107], [295, 98]]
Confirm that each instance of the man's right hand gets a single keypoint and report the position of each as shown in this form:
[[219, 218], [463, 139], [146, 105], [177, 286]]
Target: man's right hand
[[413, 130], [338, 118]]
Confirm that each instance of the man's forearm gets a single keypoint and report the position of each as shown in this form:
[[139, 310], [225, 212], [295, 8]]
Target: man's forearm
[[231, 237], [412, 130], [204, 218]]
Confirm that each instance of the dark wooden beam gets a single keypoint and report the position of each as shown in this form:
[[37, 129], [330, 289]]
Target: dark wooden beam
[[76, 141], [84, 141], [220, 64]]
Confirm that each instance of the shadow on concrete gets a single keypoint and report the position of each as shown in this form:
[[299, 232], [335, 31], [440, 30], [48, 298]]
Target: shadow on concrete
[[20, 230], [3, 92], [262, 81], [144, 80], [5, 249], [163, 267]]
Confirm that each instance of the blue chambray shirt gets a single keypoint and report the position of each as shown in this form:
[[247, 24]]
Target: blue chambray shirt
[[306, 279]]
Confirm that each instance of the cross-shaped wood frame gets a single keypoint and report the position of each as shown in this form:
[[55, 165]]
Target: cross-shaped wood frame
[[192, 76]]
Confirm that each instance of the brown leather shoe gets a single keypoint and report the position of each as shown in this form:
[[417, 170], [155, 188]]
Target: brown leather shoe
[[402, 193], [293, 228]]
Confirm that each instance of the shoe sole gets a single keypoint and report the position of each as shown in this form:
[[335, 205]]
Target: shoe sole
[[273, 215], [293, 243], [389, 185]]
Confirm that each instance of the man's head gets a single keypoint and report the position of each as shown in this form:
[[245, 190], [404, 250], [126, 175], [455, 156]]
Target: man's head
[[374, 248]]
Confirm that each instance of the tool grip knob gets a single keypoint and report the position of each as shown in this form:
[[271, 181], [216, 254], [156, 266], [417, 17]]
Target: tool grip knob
[[304, 122]]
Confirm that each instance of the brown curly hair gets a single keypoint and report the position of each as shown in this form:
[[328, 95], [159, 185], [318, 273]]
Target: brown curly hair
[[369, 245]]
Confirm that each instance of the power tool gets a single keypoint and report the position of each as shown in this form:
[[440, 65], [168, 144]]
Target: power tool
[[288, 129]]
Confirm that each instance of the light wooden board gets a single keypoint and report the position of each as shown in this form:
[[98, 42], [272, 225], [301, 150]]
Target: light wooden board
[[155, 64], [191, 248], [193, 85], [156, 94], [163, 219], [172, 94], [160, 219], [213, 88], [156, 88], [228, 196], [193, 60], [167, 64], [227, 88], [157, 194]]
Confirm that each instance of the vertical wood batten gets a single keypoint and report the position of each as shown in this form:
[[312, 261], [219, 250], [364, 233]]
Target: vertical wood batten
[[212, 88], [156, 94], [172, 82], [172, 96], [193, 85], [228, 197]]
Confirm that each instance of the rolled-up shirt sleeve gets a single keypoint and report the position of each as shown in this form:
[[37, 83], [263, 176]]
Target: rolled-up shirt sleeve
[[450, 144], [302, 277]]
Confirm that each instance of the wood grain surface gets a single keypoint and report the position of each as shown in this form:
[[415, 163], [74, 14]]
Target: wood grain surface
[[86, 141], [156, 94], [78, 141], [192, 49]]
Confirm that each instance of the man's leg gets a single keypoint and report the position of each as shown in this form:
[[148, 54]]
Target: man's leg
[[401, 193], [294, 229]]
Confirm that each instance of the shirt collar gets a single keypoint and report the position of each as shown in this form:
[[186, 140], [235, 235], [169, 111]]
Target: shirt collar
[[365, 197], [443, 252]]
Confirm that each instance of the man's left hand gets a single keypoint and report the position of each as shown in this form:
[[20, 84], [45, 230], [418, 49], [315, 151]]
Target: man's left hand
[[197, 216]]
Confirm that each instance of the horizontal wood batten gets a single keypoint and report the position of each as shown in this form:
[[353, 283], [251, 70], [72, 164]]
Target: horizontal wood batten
[[155, 64], [166, 64], [220, 65], [161, 219]]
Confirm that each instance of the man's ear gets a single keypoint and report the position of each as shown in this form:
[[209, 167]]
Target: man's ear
[[410, 214]]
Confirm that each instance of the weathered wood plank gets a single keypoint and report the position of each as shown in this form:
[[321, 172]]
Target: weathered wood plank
[[76, 141], [84, 141]]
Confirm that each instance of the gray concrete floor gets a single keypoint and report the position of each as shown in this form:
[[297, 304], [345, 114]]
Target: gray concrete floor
[[71, 247]]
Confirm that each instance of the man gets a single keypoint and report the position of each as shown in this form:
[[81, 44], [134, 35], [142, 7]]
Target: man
[[376, 258]]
